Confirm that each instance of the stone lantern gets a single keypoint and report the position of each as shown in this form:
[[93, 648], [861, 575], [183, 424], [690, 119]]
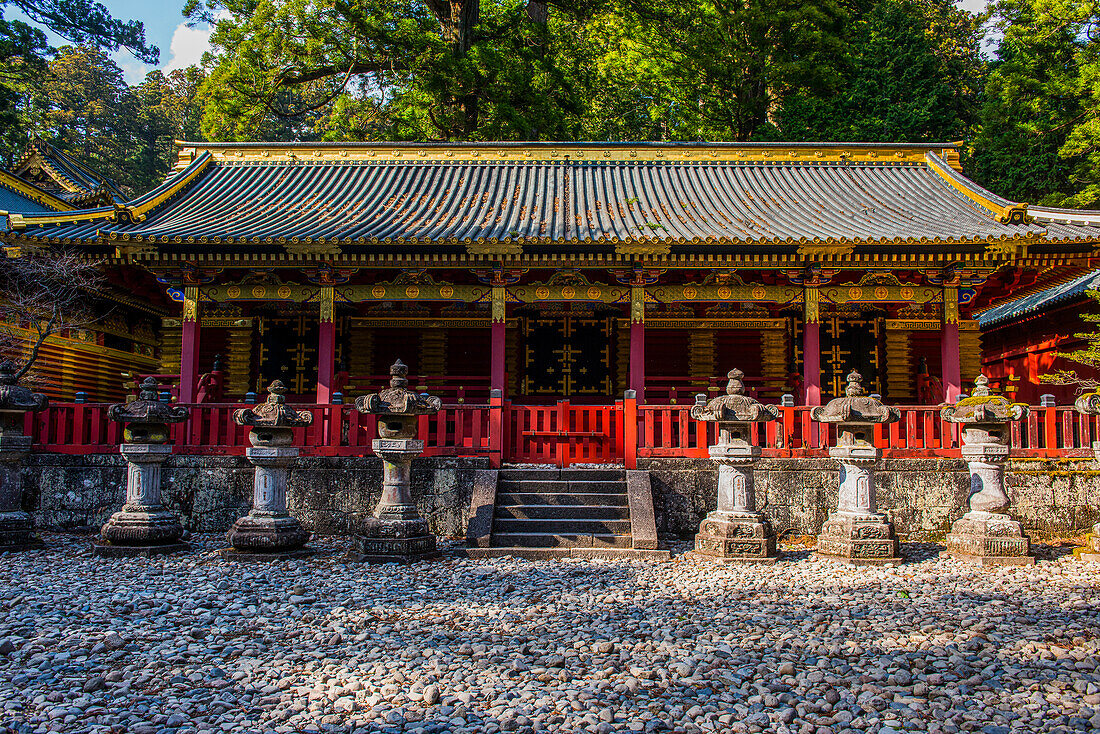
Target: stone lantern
[[1089, 404], [144, 526], [16, 526], [268, 530], [396, 532], [736, 531], [986, 534], [857, 533]]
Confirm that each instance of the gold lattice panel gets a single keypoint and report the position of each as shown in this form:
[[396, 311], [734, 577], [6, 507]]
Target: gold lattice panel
[[239, 361], [512, 359], [171, 348], [622, 357], [970, 354], [702, 360], [360, 349], [899, 367], [773, 364], [433, 352]]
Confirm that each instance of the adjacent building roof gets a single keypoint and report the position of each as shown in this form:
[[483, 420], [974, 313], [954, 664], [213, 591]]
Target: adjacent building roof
[[65, 177], [508, 198], [17, 195], [1037, 302]]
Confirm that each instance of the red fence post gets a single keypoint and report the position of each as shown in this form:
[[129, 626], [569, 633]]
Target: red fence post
[[630, 429], [496, 427]]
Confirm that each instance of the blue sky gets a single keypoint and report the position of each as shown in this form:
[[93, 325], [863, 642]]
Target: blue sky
[[181, 46]]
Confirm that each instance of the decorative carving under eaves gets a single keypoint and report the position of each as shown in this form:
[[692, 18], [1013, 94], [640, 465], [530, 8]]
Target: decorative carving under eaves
[[637, 276], [812, 275], [567, 276], [499, 276], [724, 277]]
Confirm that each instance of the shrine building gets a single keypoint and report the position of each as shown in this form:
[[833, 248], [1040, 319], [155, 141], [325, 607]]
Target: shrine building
[[551, 271]]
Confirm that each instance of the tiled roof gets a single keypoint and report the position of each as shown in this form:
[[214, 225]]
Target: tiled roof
[[76, 182], [1036, 302], [771, 198]]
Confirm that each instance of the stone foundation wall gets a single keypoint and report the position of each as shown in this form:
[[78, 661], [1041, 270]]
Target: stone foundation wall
[[331, 495], [1051, 498]]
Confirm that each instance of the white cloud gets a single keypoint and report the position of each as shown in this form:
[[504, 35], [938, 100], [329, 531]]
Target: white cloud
[[974, 6], [187, 47]]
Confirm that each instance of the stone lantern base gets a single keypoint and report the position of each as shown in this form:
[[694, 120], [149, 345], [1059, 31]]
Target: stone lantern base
[[859, 539], [989, 539], [730, 537], [386, 540], [265, 537], [17, 532], [1090, 552], [144, 526]]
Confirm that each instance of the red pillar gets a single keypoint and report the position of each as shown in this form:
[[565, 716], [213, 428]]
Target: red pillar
[[811, 347], [637, 360], [949, 353], [497, 346], [811, 362], [636, 376], [949, 345], [189, 352], [326, 348]]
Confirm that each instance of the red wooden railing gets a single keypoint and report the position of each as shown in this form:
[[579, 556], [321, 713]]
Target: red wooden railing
[[562, 434]]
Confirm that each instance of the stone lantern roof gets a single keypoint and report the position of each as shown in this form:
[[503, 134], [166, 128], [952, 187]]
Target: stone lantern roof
[[147, 408], [985, 407], [735, 406], [274, 412], [15, 398], [398, 399], [855, 406]]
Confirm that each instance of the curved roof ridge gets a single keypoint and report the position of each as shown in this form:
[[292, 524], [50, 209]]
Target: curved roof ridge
[[33, 192]]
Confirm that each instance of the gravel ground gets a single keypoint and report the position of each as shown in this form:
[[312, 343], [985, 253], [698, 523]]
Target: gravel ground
[[194, 643]]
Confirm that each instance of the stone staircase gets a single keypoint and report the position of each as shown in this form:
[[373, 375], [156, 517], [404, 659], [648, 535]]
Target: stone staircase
[[548, 513]]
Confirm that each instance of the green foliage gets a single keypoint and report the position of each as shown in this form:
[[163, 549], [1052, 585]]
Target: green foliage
[[1039, 132], [513, 69], [1089, 356], [912, 72], [83, 106]]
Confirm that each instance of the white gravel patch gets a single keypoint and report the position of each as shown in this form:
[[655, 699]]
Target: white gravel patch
[[195, 643]]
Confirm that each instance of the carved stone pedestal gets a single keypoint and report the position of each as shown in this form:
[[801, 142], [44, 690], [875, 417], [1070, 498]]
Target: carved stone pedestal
[[1090, 552], [736, 532], [268, 531], [16, 526], [396, 532], [144, 526], [986, 535], [856, 533], [989, 539]]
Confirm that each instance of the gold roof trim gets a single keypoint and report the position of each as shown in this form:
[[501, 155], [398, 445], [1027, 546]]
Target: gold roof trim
[[34, 193], [1006, 213], [560, 152]]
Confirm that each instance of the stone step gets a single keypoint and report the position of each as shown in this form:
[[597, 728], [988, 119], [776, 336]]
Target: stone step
[[532, 511], [562, 485], [507, 526], [554, 540], [573, 498], [580, 475]]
